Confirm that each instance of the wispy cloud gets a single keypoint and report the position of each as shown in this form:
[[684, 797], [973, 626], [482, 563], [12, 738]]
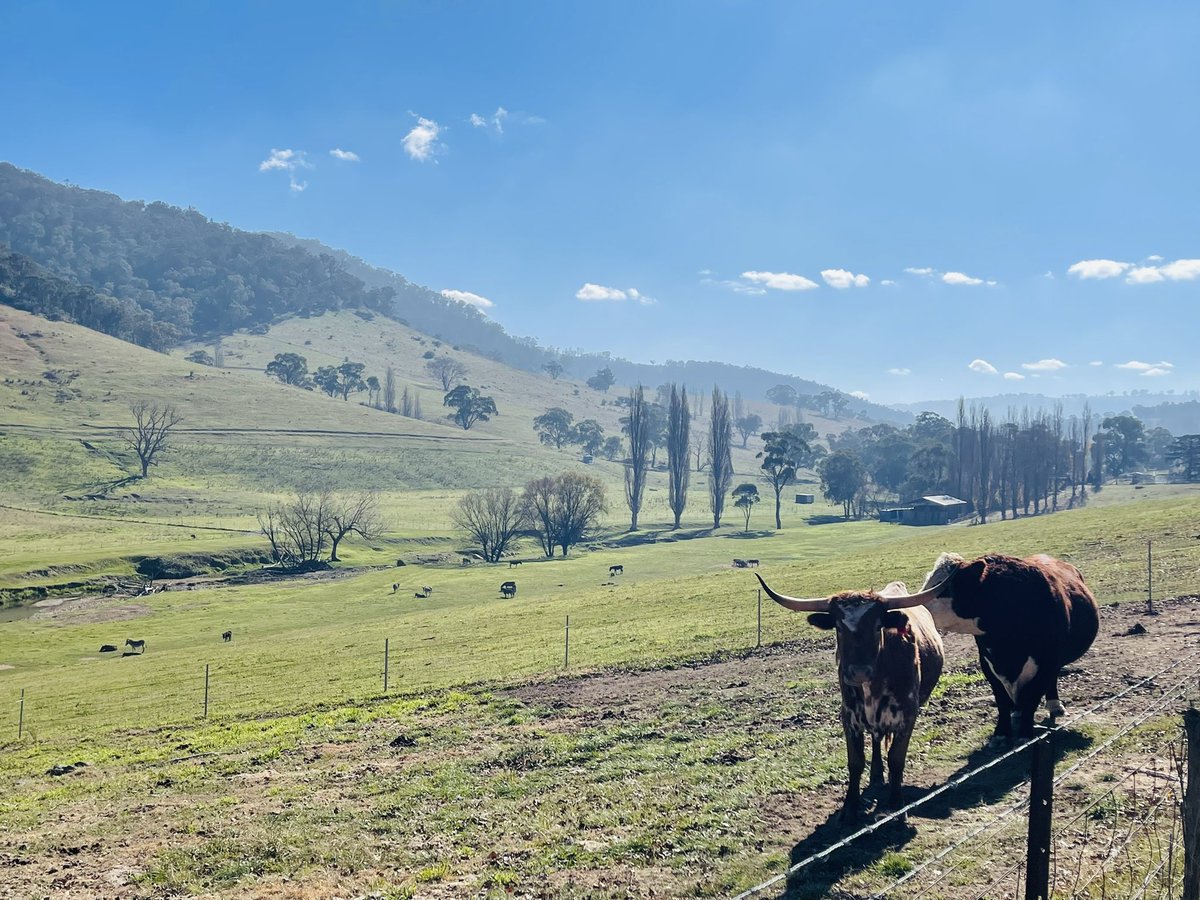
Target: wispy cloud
[[924, 272], [887, 282], [899, 371], [421, 143], [982, 366], [468, 298], [1013, 376], [495, 121], [958, 278], [841, 279], [591, 293], [1096, 362], [781, 281], [1044, 365], [344, 155], [1150, 370], [290, 161], [1097, 268]]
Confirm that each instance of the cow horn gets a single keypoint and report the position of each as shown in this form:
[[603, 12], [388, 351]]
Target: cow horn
[[907, 601], [817, 604]]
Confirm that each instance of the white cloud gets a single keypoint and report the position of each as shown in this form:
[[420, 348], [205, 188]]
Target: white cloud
[[887, 282], [344, 155], [421, 143], [591, 292], [840, 279], [960, 278], [982, 366], [495, 121], [289, 161], [924, 272], [1156, 371], [1135, 365], [1013, 376], [781, 281], [992, 283], [1154, 257], [468, 298], [899, 371], [1144, 275], [1048, 275], [1182, 270], [1044, 365], [705, 273], [635, 294], [1098, 268], [860, 395], [1096, 362]]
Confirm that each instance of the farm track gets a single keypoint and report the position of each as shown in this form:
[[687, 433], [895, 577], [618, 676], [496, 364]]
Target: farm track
[[743, 703]]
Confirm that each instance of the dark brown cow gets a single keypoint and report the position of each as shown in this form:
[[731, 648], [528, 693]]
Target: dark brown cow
[[889, 661], [1030, 617]]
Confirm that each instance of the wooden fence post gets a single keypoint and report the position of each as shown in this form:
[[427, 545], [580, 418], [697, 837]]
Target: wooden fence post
[[759, 642], [1191, 807], [567, 645], [206, 690], [21, 715], [385, 664], [1041, 809], [1150, 578]]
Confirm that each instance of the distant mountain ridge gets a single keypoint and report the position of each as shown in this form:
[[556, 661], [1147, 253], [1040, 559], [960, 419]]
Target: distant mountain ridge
[[158, 275]]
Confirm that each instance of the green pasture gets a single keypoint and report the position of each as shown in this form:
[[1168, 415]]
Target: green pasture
[[319, 640]]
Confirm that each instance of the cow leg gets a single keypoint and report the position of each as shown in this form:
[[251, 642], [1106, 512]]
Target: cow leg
[[856, 761], [1053, 704], [897, 754], [876, 779], [1004, 704]]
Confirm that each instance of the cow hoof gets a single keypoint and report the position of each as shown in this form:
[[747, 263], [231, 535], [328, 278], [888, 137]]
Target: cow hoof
[[849, 815], [999, 742], [1055, 708]]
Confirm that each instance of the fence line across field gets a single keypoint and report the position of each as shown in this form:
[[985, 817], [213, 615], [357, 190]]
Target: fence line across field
[[1046, 735]]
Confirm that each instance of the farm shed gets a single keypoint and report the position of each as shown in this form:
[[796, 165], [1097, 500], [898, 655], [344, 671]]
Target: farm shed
[[806, 498], [936, 509]]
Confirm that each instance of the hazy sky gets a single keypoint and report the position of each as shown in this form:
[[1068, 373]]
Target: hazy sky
[[911, 200]]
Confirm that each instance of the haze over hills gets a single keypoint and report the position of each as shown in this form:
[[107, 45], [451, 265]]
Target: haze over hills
[[157, 275], [1179, 412]]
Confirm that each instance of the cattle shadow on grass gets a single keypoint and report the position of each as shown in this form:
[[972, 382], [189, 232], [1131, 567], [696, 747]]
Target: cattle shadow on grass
[[817, 880]]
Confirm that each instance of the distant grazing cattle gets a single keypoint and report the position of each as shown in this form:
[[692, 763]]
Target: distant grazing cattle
[[512, 563], [395, 586], [889, 661], [428, 590], [752, 562], [138, 646], [107, 648], [739, 564], [615, 570], [509, 589], [466, 560], [1030, 617], [227, 636]]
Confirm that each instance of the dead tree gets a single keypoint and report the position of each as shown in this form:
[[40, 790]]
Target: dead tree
[[150, 434]]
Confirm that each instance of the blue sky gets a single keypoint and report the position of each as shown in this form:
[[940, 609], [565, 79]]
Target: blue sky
[[702, 174]]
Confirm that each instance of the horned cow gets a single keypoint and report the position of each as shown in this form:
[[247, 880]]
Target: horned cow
[[888, 662], [1030, 617]]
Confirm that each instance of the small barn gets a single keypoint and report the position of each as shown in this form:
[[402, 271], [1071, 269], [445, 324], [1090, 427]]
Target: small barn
[[936, 509], [806, 498]]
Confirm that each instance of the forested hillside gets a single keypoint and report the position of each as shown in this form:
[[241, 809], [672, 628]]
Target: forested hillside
[[189, 275]]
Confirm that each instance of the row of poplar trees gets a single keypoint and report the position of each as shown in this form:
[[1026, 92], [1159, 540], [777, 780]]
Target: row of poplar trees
[[718, 444]]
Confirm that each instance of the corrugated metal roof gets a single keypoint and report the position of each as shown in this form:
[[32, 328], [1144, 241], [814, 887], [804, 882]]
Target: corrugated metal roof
[[941, 500]]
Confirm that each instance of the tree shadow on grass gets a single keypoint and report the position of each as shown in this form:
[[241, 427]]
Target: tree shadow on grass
[[826, 520], [752, 535], [817, 880]]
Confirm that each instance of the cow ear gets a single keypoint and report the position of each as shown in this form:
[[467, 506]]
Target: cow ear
[[895, 618], [975, 571], [823, 621]]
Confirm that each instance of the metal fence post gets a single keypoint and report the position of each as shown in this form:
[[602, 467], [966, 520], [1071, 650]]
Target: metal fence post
[[1041, 809], [206, 690], [1191, 807], [1150, 578], [385, 664], [567, 645], [21, 715]]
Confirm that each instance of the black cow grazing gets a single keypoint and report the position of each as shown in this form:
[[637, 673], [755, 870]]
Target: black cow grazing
[[1030, 617], [752, 562], [138, 646], [513, 563], [889, 661], [509, 589], [395, 586], [740, 564], [227, 636], [615, 570]]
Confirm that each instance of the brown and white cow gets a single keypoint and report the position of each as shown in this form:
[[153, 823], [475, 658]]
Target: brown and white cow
[[889, 661], [1030, 617]]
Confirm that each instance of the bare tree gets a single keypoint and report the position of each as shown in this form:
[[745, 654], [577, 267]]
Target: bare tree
[[720, 455], [637, 428], [565, 510], [389, 390], [448, 371], [493, 518], [679, 426], [297, 530], [150, 434], [358, 514]]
